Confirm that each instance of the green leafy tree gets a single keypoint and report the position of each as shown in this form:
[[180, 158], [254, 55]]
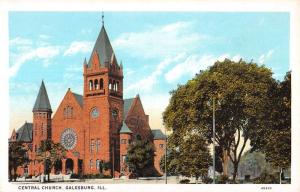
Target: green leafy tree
[[275, 139], [139, 157], [172, 162], [241, 92], [191, 158], [48, 153], [17, 157]]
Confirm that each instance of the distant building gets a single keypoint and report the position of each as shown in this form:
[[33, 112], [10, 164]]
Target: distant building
[[94, 127]]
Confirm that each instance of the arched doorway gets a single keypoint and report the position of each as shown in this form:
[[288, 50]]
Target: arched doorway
[[69, 166], [57, 167]]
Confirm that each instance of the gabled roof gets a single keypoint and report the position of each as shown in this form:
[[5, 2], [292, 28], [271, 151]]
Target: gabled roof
[[158, 134], [79, 98], [24, 133], [125, 128], [103, 48], [42, 102], [127, 106]]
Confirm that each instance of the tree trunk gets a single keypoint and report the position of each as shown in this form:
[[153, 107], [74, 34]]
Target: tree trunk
[[225, 162], [235, 170], [15, 174]]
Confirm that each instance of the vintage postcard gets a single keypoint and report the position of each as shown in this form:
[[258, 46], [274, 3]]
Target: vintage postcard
[[112, 97]]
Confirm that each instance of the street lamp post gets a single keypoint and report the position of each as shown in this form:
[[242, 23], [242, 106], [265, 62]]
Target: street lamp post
[[214, 154], [280, 176]]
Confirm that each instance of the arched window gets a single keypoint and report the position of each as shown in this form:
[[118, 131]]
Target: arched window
[[114, 114], [96, 84], [101, 83], [91, 85], [117, 86], [109, 85], [97, 164], [114, 85]]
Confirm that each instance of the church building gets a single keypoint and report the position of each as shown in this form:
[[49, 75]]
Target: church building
[[96, 127]]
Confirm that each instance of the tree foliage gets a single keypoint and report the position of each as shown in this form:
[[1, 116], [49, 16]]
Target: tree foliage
[[242, 92], [140, 157], [48, 153], [275, 138], [17, 157], [190, 158]]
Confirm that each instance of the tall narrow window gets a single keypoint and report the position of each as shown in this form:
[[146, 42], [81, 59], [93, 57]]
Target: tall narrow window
[[91, 85], [92, 145], [97, 164], [42, 129], [117, 86], [123, 158], [114, 85], [98, 145], [96, 84], [101, 83], [109, 85]]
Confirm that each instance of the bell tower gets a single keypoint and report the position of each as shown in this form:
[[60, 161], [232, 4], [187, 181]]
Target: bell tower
[[41, 118], [103, 105]]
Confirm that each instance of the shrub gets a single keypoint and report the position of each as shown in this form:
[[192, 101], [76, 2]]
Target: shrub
[[184, 181], [74, 176], [267, 178], [222, 179], [207, 180]]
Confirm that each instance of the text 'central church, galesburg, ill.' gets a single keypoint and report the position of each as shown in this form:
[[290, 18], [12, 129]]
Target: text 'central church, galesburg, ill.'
[[95, 127]]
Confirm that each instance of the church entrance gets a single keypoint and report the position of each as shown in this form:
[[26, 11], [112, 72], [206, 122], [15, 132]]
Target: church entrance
[[69, 166], [58, 167]]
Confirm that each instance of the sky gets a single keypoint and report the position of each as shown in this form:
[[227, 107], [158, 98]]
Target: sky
[[159, 50]]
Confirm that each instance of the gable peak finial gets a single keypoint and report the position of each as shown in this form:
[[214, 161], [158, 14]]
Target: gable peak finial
[[102, 18]]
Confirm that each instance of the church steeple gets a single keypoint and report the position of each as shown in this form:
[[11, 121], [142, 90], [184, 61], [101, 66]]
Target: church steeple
[[42, 102], [102, 49]]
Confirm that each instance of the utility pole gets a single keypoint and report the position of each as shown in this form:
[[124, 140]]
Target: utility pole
[[166, 156], [214, 153]]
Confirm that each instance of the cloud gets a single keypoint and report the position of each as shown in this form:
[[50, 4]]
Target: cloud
[[20, 41], [43, 36], [44, 53], [193, 64], [79, 47], [262, 59], [160, 41], [149, 81]]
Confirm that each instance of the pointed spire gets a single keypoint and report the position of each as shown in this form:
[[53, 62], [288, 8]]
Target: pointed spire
[[121, 64], [42, 101], [102, 18], [85, 63], [102, 47]]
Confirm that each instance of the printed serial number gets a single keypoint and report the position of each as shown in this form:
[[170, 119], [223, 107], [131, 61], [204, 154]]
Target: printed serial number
[[266, 188]]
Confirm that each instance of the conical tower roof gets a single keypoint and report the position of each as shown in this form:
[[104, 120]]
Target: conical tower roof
[[103, 48], [125, 128], [42, 101]]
